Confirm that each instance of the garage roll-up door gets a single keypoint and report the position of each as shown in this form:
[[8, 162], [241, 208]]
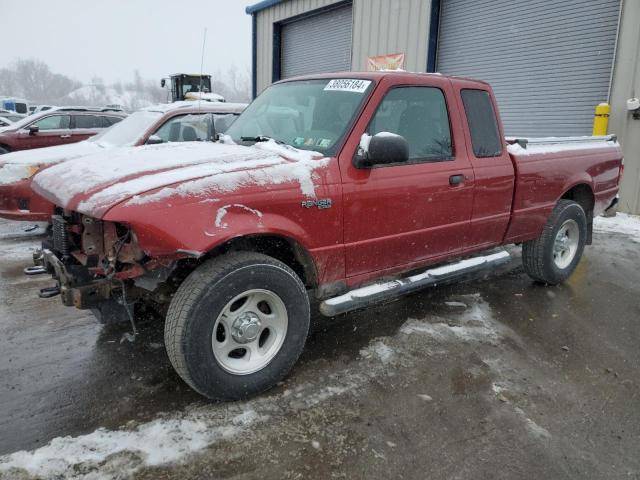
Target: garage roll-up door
[[549, 62], [316, 44]]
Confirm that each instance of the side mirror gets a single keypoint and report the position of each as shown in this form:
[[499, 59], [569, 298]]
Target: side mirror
[[154, 140], [381, 149], [33, 129]]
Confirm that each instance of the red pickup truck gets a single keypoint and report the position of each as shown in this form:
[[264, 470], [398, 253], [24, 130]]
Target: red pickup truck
[[343, 187]]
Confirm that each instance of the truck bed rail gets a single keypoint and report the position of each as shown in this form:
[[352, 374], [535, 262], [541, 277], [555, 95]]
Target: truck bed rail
[[523, 142]]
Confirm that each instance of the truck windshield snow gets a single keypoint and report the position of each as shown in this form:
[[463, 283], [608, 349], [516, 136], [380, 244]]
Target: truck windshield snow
[[127, 132], [306, 114]]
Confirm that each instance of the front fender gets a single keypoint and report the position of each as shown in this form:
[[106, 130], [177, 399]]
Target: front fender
[[203, 224]]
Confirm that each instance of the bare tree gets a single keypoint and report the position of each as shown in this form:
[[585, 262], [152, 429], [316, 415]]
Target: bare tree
[[33, 80]]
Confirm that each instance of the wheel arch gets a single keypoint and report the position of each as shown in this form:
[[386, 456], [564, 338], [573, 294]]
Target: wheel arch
[[286, 249], [583, 195]]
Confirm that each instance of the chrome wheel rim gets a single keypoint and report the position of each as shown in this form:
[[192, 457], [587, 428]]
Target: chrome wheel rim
[[250, 331], [566, 244]]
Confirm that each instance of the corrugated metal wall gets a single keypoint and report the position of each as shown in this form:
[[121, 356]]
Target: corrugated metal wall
[[265, 20], [626, 84], [391, 26], [316, 44], [549, 62], [379, 27]]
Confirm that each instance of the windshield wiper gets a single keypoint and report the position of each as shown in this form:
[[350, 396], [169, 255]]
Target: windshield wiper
[[260, 138]]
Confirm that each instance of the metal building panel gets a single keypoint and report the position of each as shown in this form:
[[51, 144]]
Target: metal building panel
[[549, 62], [264, 25], [383, 27], [318, 43]]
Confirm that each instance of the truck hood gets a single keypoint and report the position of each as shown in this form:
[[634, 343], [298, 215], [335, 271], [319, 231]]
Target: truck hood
[[50, 155], [95, 183]]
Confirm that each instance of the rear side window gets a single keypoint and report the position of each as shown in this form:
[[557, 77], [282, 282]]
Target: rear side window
[[107, 121], [88, 121], [485, 136], [420, 115]]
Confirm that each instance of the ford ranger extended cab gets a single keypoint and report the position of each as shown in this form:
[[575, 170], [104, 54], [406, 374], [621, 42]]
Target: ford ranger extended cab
[[343, 188]]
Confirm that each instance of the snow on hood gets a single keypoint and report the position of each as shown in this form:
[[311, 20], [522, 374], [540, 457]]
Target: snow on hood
[[97, 182], [50, 155]]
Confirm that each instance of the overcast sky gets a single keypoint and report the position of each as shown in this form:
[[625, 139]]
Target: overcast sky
[[112, 38]]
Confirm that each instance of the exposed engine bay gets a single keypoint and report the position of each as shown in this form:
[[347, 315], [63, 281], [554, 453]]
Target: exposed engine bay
[[99, 265]]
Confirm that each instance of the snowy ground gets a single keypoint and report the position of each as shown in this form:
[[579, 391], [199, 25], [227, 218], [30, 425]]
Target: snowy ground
[[493, 378], [621, 223]]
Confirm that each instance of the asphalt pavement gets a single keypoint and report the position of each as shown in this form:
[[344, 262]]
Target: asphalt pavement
[[495, 377]]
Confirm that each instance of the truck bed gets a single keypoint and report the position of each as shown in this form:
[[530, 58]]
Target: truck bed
[[547, 168]]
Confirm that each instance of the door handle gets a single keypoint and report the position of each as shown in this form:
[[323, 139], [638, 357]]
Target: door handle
[[65, 136], [456, 179]]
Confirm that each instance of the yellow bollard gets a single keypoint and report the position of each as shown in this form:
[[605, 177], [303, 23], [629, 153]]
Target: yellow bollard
[[601, 119]]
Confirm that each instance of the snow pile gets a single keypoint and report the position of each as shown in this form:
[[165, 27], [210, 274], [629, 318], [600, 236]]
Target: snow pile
[[475, 324], [155, 443], [621, 223], [10, 173], [380, 350]]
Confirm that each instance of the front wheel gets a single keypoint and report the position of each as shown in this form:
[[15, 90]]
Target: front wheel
[[553, 256], [237, 325]]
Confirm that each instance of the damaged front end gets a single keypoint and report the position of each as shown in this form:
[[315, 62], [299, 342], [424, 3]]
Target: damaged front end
[[98, 265]]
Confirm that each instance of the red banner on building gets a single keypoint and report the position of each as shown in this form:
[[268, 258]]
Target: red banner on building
[[394, 61]]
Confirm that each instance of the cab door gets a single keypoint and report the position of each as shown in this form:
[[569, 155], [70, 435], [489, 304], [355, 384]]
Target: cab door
[[51, 130], [492, 166], [400, 216]]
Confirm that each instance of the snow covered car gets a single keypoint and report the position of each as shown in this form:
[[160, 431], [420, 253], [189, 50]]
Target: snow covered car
[[174, 122]]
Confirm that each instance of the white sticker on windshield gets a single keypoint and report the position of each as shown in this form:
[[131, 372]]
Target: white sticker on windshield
[[347, 85]]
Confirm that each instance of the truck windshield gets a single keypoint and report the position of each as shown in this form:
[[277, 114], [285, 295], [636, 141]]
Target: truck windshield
[[127, 132], [306, 114]]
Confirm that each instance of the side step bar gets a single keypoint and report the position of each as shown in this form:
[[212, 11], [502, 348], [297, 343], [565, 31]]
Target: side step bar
[[379, 292]]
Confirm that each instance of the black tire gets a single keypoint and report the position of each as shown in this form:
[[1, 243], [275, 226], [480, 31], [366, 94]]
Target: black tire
[[199, 301], [4, 150], [538, 254]]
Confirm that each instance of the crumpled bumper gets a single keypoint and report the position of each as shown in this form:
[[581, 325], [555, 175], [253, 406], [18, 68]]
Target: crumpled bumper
[[76, 287]]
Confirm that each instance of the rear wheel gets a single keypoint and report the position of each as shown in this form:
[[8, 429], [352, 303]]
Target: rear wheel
[[4, 150], [553, 256], [237, 325]]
